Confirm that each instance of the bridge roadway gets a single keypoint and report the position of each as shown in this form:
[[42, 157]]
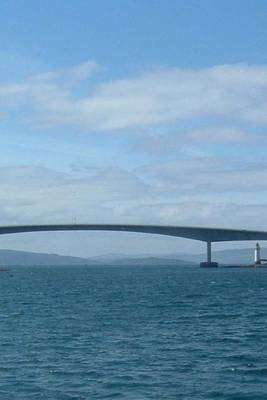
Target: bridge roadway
[[207, 235]]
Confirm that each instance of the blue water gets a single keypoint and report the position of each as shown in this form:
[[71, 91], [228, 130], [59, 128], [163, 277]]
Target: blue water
[[133, 333]]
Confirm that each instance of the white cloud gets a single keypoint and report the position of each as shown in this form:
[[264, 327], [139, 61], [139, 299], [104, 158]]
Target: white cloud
[[221, 135], [166, 193], [236, 92], [207, 175], [37, 194], [70, 76], [192, 142], [200, 213]]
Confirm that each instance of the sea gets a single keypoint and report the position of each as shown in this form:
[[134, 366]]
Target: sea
[[133, 332]]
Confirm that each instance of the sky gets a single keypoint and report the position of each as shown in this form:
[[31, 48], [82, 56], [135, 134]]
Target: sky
[[132, 111]]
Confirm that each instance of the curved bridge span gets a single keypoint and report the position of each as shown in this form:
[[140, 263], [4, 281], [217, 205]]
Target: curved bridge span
[[207, 235], [188, 232]]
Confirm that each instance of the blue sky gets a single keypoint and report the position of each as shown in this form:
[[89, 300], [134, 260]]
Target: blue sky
[[132, 111]]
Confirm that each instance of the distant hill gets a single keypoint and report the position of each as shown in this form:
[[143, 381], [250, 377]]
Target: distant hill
[[24, 258], [14, 257], [149, 261], [236, 256]]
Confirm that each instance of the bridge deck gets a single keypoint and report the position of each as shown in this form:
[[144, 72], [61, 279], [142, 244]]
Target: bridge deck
[[196, 233]]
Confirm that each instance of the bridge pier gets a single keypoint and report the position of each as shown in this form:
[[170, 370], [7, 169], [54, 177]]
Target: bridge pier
[[209, 263]]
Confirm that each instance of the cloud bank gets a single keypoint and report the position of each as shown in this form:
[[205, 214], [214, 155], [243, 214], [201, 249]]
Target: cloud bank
[[153, 194], [233, 92], [189, 126]]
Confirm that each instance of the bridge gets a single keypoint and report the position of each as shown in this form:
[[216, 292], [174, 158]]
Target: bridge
[[208, 235]]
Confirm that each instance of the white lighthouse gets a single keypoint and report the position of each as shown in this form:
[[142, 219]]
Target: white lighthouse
[[257, 257]]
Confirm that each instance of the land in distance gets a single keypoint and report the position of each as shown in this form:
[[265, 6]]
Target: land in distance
[[25, 258], [232, 257]]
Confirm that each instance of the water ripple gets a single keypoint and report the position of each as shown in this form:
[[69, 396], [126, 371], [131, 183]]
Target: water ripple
[[133, 333]]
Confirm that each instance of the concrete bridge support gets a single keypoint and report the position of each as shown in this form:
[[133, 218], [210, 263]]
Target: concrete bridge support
[[209, 263]]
